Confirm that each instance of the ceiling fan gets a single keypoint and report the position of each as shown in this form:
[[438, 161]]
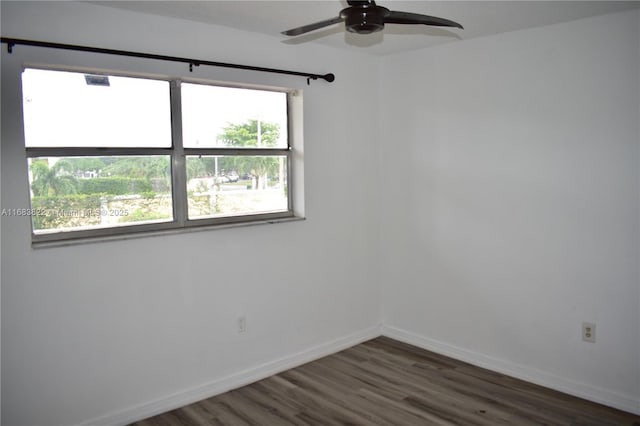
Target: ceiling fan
[[365, 17]]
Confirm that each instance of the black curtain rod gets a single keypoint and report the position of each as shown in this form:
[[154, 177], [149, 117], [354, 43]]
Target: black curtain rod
[[11, 42]]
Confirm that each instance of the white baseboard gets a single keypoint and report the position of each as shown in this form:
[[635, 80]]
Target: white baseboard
[[592, 393], [233, 381]]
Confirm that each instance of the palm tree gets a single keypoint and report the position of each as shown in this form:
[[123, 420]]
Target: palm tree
[[55, 180]]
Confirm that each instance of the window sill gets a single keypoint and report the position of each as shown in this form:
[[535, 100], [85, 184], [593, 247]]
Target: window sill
[[159, 233]]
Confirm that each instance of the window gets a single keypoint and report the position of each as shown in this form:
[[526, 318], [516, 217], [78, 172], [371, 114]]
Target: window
[[112, 154]]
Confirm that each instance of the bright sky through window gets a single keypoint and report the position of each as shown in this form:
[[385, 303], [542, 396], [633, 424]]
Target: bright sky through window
[[135, 112], [62, 110], [207, 110]]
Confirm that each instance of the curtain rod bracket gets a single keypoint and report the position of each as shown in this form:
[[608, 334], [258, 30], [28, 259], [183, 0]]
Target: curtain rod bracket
[[193, 64], [10, 47]]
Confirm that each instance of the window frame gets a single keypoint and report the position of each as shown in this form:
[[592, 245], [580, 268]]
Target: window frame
[[177, 154]]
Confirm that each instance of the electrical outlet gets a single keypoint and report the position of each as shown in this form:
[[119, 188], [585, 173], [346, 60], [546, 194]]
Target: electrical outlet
[[589, 332], [242, 324]]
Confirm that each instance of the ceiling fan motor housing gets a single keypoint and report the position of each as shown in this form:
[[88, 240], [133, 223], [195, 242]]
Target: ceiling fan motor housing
[[364, 19]]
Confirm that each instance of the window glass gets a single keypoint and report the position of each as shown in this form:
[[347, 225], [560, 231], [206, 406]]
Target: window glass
[[214, 116], [220, 186], [70, 109], [79, 193]]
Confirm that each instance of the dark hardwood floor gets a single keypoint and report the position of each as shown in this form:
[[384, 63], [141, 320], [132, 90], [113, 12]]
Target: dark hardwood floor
[[385, 382]]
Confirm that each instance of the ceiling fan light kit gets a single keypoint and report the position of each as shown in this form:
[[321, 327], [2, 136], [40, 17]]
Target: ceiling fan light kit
[[366, 17]]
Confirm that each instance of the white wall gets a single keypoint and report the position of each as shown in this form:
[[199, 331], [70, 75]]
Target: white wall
[[517, 217], [508, 193], [100, 331]]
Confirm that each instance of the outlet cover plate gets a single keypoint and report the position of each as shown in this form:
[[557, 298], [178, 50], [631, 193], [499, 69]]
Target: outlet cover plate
[[589, 332]]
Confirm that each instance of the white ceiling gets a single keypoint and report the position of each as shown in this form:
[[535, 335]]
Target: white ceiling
[[479, 18]]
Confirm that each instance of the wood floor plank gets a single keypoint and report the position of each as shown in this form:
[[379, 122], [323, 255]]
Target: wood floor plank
[[492, 392], [448, 383], [384, 382], [340, 402], [353, 397], [273, 404], [361, 378], [413, 416]]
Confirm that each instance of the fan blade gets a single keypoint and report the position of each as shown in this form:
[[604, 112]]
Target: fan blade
[[311, 27], [359, 2], [415, 18]]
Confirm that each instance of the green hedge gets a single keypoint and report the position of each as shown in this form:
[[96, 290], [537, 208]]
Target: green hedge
[[113, 186]]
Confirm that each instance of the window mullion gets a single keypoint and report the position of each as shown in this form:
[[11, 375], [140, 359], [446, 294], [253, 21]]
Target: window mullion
[[178, 161]]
